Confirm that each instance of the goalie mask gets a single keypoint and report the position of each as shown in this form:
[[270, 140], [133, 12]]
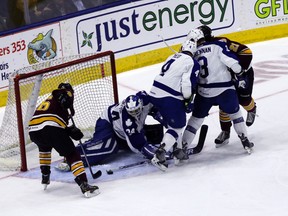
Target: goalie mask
[[133, 105]]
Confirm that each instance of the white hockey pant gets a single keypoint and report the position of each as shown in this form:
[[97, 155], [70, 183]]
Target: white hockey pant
[[238, 123], [190, 131], [171, 137]]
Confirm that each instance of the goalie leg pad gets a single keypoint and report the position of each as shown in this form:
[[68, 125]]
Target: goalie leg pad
[[98, 150]]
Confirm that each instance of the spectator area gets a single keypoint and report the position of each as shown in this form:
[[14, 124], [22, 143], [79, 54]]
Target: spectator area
[[18, 14]]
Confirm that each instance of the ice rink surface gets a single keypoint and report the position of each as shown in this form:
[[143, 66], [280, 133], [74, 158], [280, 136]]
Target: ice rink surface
[[224, 181]]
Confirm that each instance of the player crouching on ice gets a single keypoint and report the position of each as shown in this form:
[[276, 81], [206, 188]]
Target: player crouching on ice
[[122, 127], [48, 129]]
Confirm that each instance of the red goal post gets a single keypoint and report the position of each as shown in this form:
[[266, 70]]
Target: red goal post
[[93, 78]]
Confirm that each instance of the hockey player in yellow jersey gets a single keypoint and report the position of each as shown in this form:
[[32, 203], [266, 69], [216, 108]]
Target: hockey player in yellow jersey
[[48, 129]]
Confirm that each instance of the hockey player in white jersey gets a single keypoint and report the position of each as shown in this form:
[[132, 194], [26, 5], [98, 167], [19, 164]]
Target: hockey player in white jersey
[[171, 93], [215, 87], [121, 126]]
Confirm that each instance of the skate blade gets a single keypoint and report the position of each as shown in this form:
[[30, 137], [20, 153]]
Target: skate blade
[[178, 162], [222, 144], [159, 166], [45, 186], [88, 194], [249, 150]]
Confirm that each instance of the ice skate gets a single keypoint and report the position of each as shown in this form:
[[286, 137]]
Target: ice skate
[[89, 190], [159, 159], [247, 145], [45, 180], [251, 117], [180, 156], [222, 139]]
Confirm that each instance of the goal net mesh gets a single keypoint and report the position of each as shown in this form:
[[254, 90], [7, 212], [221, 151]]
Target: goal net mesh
[[94, 84]]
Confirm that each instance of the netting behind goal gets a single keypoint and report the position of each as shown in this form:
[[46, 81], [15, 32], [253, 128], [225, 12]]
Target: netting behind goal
[[93, 78]]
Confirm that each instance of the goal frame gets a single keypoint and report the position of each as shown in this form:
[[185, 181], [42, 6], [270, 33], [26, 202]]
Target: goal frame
[[19, 77]]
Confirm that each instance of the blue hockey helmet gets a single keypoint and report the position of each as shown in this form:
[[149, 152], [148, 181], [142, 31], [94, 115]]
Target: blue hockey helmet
[[133, 105]]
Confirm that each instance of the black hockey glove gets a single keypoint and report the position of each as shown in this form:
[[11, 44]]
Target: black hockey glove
[[74, 132], [241, 82], [65, 100], [189, 105]]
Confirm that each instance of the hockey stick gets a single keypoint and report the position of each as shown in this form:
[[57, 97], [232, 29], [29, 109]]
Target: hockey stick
[[167, 44], [111, 171], [202, 137], [94, 175], [191, 151]]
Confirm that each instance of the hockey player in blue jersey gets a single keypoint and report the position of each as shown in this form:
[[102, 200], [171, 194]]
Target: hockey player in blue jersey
[[121, 126], [171, 94], [215, 87]]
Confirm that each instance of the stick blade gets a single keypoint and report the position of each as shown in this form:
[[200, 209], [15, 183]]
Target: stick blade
[[202, 138], [97, 174]]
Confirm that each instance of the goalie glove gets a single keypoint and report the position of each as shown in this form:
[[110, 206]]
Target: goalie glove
[[74, 132]]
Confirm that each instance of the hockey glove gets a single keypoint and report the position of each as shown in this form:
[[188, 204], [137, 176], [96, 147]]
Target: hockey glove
[[65, 98], [241, 82], [189, 105], [74, 132]]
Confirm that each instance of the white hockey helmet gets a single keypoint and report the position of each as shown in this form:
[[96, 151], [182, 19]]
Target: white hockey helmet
[[195, 35], [133, 105], [189, 46]]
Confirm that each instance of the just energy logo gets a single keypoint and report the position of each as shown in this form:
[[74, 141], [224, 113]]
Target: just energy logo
[[130, 27]]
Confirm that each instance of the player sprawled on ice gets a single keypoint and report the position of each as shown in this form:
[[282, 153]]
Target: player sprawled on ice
[[48, 129], [243, 84], [215, 87], [172, 94], [122, 127]]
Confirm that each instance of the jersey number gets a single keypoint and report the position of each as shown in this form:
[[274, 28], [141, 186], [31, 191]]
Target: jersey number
[[166, 67], [43, 106], [203, 67]]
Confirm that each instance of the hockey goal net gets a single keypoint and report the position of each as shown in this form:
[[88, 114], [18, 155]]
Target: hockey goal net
[[93, 78]]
